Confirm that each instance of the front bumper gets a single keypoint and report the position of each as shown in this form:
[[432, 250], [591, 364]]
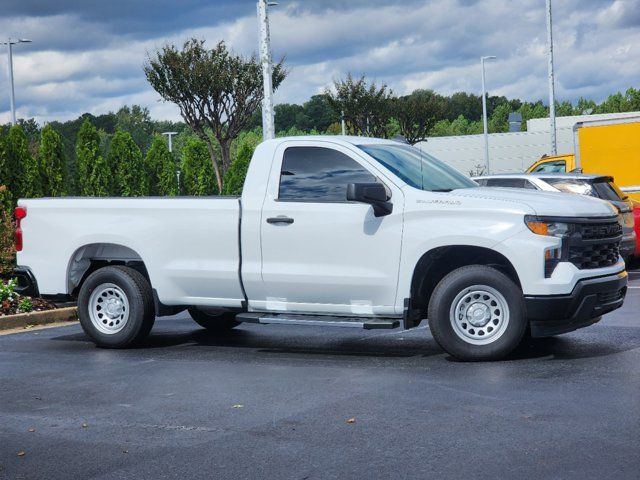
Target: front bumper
[[628, 245], [590, 299]]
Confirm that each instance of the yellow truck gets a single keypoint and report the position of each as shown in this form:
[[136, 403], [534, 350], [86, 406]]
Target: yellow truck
[[607, 147]]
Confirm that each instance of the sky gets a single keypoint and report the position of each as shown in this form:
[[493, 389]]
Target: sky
[[87, 55]]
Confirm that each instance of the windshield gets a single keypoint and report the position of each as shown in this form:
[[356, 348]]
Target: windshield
[[417, 168], [600, 188]]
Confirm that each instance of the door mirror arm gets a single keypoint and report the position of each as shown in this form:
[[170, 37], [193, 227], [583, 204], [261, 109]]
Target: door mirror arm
[[374, 194]]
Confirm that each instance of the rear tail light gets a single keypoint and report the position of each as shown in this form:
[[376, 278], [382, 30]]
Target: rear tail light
[[19, 214]]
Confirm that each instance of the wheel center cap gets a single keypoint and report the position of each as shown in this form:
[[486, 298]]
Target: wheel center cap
[[478, 314], [114, 307]]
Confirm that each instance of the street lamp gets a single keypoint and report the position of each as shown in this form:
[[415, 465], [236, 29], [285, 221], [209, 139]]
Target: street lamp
[[552, 94], [268, 122], [12, 94], [484, 113], [169, 136]]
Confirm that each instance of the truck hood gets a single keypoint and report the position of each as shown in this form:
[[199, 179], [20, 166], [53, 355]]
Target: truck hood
[[543, 203]]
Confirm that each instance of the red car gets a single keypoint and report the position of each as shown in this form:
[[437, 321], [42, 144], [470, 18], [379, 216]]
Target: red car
[[636, 216]]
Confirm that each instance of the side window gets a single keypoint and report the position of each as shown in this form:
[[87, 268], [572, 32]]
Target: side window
[[558, 166], [530, 186], [317, 174], [482, 182]]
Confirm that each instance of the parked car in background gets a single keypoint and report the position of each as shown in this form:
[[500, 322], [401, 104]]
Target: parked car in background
[[598, 186], [611, 146]]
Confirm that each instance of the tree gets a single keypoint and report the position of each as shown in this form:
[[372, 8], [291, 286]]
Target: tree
[[161, 169], [93, 172], [127, 167], [416, 114], [197, 176], [20, 167], [137, 121], [52, 163], [366, 107], [234, 178], [216, 92]]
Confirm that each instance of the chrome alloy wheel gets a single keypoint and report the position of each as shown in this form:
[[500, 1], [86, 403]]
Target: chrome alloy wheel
[[479, 315], [108, 308]]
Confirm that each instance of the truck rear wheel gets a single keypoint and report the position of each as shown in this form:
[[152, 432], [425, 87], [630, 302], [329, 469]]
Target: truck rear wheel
[[477, 313], [215, 322], [115, 307]]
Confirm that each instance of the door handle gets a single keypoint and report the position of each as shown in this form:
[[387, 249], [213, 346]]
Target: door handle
[[280, 219]]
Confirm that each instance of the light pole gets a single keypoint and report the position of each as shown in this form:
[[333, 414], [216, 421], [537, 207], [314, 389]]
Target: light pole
[[552, 95], [484, 113], [12, 94], [268, 122], [169, 136]]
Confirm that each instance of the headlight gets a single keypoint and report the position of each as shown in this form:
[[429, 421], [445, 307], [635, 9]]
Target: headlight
[[542, 227], [627, 220]]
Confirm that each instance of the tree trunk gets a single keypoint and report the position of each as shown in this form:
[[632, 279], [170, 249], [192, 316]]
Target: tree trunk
[[225, 150], [214, 162]]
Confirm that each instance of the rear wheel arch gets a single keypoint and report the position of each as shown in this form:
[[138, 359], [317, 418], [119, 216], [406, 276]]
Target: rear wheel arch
[[91, 257]]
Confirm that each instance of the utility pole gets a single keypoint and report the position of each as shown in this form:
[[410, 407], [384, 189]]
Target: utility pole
[[169, 136], [268, 121], [484, 114], [12, 94], [552, 95]]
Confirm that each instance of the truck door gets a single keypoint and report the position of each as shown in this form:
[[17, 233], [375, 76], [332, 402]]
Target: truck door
[[320, 252]]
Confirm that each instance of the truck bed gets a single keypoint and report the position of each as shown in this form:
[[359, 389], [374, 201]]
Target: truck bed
[[190, 246]]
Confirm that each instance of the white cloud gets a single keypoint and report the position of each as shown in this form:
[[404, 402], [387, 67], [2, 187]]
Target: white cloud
[[77, 65]]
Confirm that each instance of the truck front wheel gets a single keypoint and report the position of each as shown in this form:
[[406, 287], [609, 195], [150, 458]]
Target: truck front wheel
[[115, 307], [214, 321], [477, 313]]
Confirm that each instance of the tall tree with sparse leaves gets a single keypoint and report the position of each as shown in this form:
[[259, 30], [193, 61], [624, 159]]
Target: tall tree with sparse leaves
[[52, 163], [161, 169], [94, 177], [127, 167], [217, 92]]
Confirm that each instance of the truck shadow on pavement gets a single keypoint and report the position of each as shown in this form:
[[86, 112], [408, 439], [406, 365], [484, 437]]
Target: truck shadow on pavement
[[602, 341]]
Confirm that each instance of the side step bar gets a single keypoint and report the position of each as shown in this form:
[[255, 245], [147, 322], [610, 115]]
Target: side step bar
[[319, 320]]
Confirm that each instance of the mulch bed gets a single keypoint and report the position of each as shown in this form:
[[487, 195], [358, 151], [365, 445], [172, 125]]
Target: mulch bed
[[11, 307]]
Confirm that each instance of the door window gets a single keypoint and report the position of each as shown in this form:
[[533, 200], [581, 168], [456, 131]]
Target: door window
[[317, 174], [557, 166], [506, 182]]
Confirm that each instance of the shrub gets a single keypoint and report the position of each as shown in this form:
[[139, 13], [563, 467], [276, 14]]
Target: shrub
[[7, 251], [52, 163], [25, 305], [127, 166], [161, 169], [234, 178], [197, 175], [94, 177]]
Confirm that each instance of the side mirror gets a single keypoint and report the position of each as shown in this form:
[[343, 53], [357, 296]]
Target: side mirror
[[374, 194]]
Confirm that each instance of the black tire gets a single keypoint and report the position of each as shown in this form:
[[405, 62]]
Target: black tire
[[141, 311], [443, 314], [214, 322]]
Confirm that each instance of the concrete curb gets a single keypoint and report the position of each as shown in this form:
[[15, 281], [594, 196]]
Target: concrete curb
[[21, 320]]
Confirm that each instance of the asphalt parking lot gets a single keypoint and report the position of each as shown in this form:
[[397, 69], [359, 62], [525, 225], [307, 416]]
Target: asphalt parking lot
[[311, 403]]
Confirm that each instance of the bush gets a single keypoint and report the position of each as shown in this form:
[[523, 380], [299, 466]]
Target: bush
[[7, 251], [52, 163], [197, 175], [234, 178], [127, 166], [161, 169], [94, 177]]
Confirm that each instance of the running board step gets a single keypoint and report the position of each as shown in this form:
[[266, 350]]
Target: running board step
[[318, 320]]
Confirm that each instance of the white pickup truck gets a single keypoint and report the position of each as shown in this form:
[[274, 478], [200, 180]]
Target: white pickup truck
[[334, 231]]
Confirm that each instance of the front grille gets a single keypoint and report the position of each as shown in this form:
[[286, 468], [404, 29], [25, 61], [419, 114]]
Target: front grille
[[597, 231], [595, 256], [594, 245]]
